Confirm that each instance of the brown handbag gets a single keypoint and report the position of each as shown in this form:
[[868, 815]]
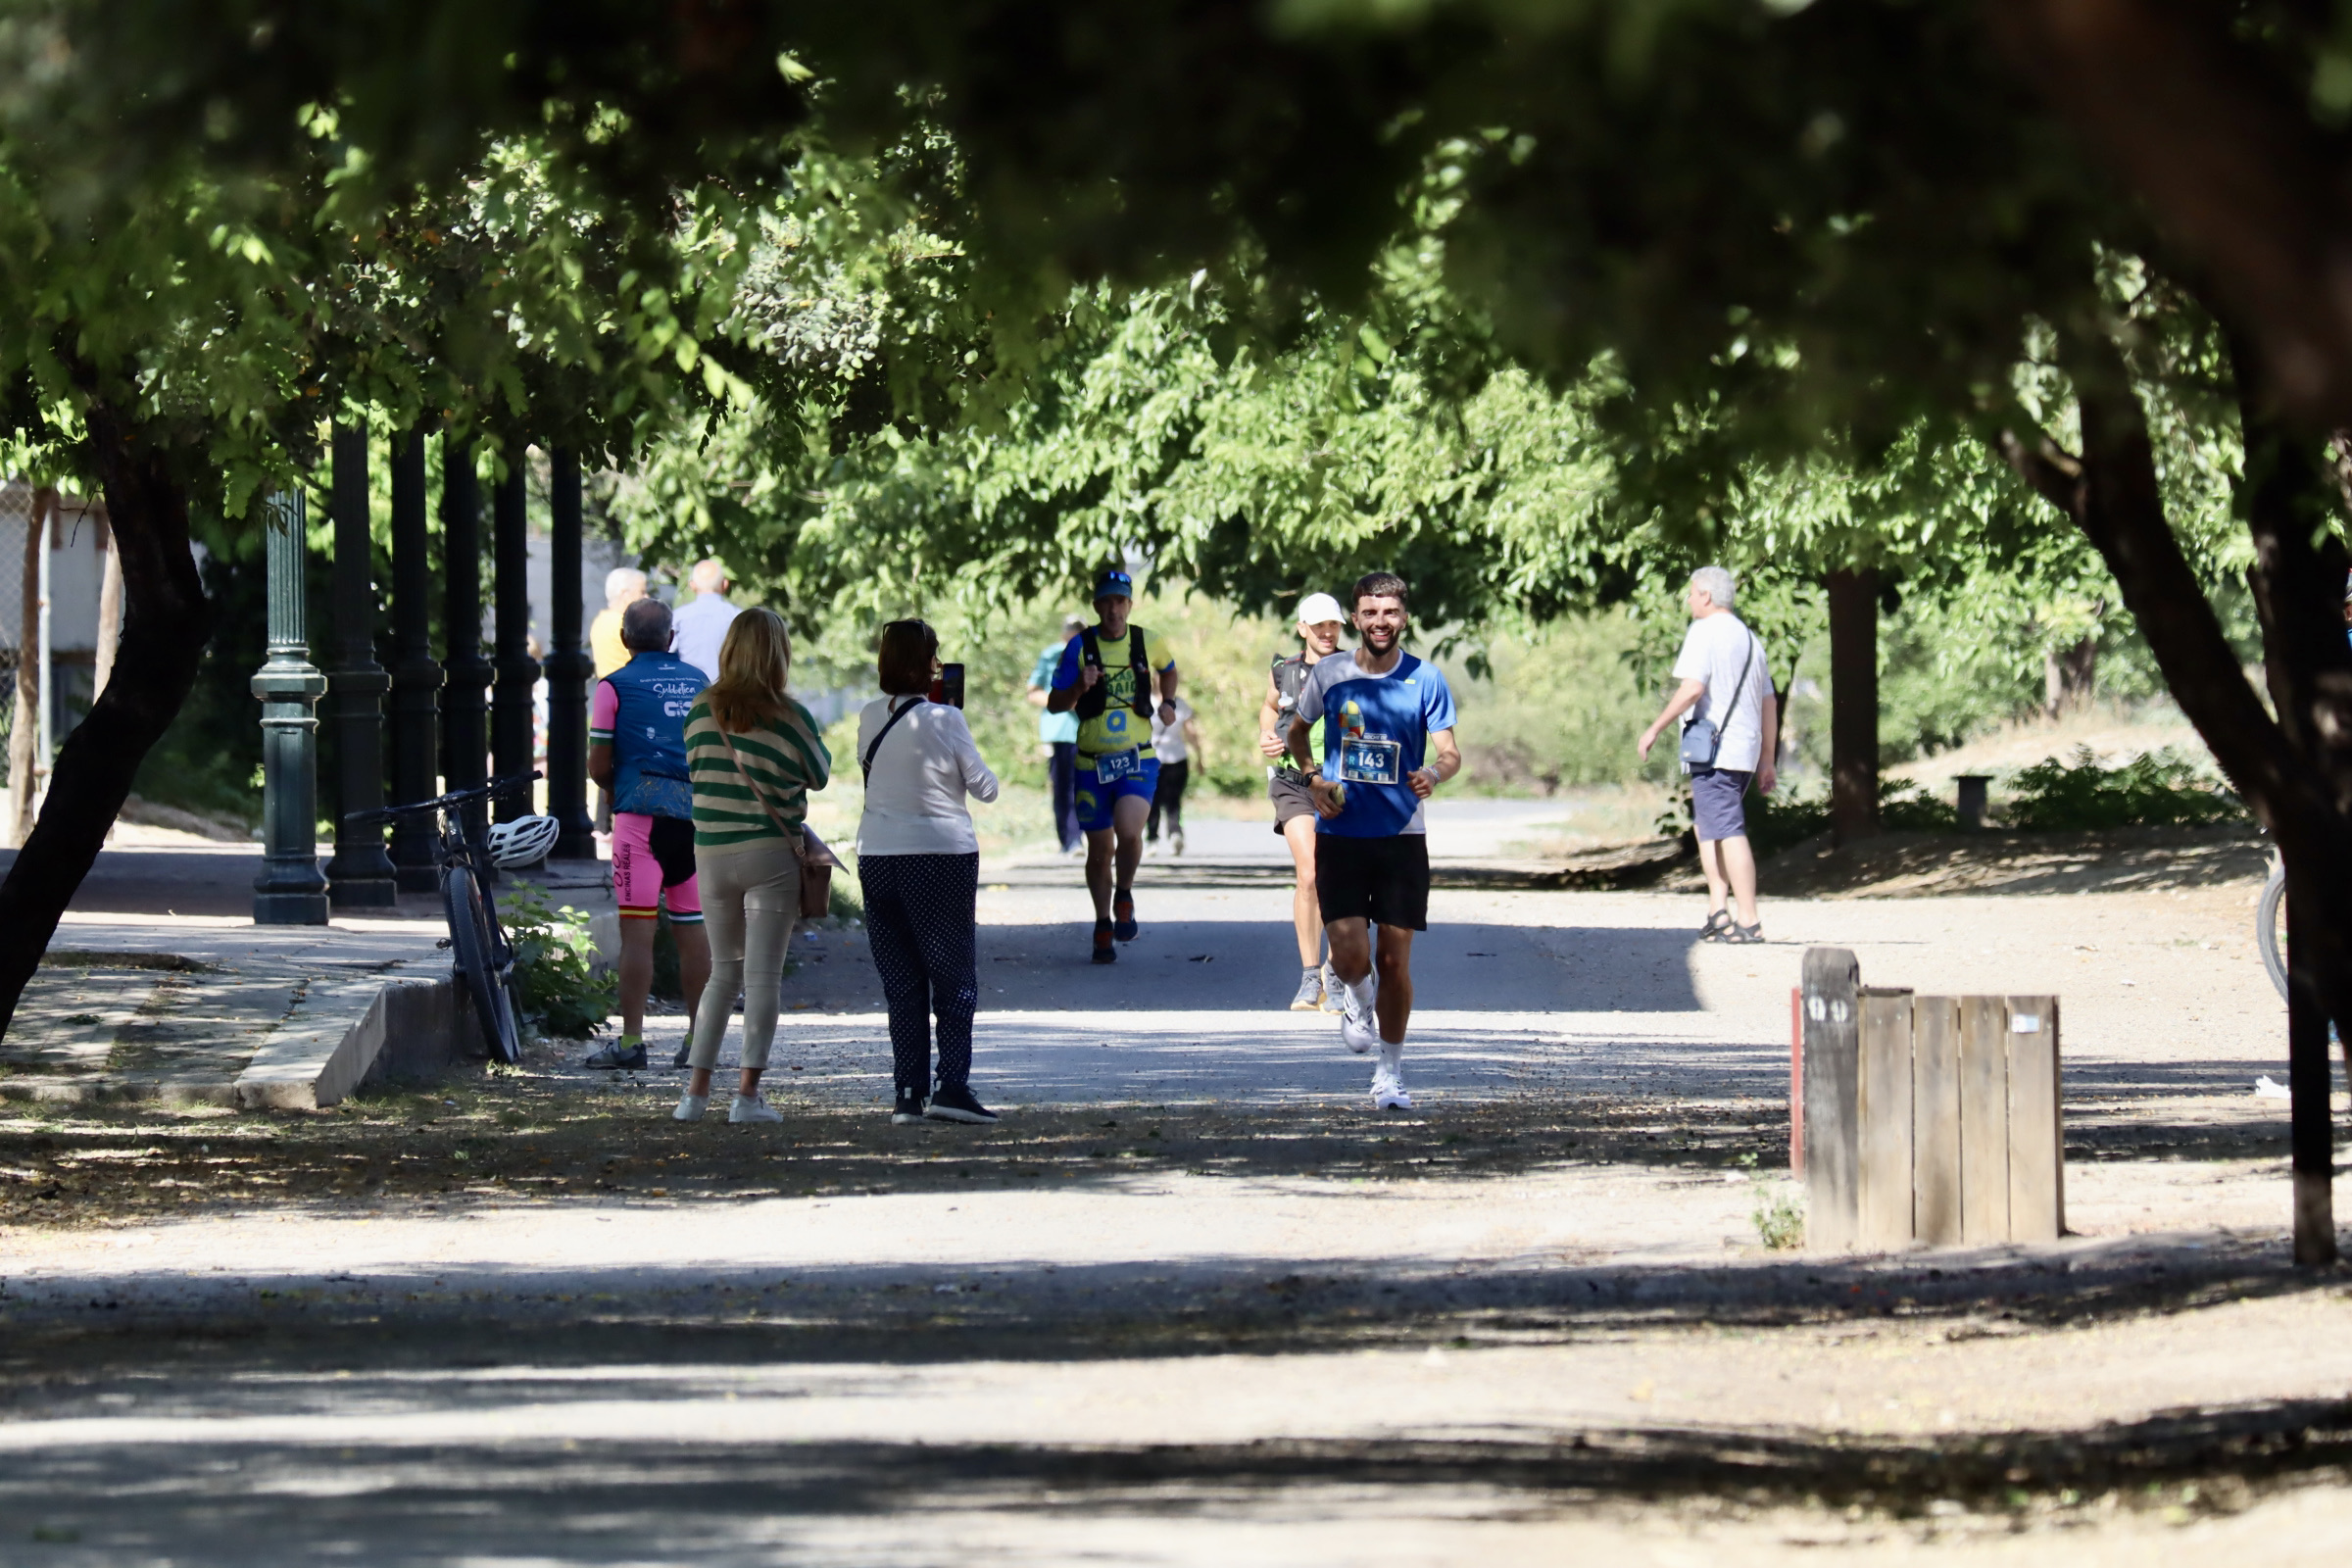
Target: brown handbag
[[816, 860]]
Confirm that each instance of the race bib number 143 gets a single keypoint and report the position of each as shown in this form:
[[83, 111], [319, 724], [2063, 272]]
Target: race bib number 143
[[1371, 761]]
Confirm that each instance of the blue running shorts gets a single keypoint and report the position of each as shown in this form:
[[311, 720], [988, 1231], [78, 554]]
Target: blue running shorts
[[1096, 800]]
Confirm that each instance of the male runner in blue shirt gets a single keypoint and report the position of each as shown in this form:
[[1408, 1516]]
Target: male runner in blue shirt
[[1384, 711]]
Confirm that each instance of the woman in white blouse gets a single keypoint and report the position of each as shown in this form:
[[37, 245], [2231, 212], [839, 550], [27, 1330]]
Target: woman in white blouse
[[918, 863]]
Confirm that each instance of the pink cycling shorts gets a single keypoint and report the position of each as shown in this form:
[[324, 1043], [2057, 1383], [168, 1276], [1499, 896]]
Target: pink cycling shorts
[[637, 876]]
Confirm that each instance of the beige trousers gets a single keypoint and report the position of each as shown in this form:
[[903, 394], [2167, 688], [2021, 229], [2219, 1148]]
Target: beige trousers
[[751, 898]]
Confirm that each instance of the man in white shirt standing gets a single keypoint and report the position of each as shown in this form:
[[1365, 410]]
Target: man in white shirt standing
[[702, 621], [1731, 736]]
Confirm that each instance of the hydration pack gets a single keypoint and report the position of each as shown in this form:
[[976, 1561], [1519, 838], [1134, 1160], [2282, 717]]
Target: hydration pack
[[1091, 704]]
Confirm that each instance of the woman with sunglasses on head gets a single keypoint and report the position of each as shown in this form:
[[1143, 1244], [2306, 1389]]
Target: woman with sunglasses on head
[[919, 861]]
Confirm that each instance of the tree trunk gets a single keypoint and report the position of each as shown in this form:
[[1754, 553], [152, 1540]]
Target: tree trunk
[[2292, 771], [2070, 677], [1853, 702], [164, 630]]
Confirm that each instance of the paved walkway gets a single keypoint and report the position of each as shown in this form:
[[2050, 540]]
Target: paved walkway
[[1006, 1353]]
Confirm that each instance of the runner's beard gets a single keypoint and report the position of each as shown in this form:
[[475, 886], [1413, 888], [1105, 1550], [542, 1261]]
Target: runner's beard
[[1380, 639]]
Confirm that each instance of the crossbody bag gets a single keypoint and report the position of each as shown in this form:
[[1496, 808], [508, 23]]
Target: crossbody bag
[[1702, 738], [866, 763], [816, 860]]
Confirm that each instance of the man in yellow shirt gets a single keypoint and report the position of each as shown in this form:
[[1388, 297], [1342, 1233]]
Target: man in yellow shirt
[[1105, 678], [623, 587]]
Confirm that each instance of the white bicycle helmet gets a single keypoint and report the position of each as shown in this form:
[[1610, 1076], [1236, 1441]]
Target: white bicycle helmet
[[524, 840]]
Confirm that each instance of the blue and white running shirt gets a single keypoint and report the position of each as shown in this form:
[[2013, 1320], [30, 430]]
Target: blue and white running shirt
[[1376, 731]]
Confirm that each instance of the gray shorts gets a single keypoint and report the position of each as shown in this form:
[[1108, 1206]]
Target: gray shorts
[[1287, 790], [1715, 794]]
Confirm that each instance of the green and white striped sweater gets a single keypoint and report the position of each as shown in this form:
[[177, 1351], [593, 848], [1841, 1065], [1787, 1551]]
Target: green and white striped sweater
[[788, 759]]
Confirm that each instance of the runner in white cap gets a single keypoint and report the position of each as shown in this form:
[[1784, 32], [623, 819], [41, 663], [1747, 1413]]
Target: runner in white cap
[[1321, 625]]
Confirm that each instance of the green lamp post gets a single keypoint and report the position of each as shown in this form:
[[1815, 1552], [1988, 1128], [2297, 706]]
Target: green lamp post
[[291, 889]]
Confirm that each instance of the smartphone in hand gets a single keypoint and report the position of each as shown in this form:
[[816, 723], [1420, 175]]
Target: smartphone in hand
[[948, 685]]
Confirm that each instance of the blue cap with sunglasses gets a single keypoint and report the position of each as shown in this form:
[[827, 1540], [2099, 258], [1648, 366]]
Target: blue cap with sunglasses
[[1115, 584]]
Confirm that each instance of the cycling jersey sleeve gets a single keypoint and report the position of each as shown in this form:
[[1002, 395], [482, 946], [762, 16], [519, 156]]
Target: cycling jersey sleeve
[[602, 709]]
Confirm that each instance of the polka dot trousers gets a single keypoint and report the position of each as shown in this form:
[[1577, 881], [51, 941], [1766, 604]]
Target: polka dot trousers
[[919, 922]]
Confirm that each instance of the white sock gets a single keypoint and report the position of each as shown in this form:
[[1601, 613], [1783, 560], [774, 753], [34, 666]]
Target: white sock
[[1391, 1058], [1363, 991]]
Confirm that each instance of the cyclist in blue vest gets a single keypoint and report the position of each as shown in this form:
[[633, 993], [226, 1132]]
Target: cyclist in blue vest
[[637, 752], [1105, 678]]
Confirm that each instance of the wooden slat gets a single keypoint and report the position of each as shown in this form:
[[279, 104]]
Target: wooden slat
[[1796, 1081], [1983, 1120], [1936, 1120], [1885, 1207], [2037, 1143], [1832, 979]]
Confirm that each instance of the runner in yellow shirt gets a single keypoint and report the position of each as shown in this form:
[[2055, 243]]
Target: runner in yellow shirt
[[1105, 678]]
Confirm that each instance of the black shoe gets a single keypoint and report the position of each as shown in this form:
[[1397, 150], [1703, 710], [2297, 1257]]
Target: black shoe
[[685, 1050], [908, 1111], [959, 1104], [1105, 953], [1122, 909]]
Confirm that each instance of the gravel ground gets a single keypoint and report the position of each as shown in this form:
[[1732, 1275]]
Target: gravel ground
[[1193, 1300]]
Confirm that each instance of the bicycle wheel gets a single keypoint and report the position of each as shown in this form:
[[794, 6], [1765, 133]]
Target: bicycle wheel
[[2270, 929], [469, 948]]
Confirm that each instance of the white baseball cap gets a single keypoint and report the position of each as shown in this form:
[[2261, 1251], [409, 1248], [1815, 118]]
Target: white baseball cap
[[1316, 609]]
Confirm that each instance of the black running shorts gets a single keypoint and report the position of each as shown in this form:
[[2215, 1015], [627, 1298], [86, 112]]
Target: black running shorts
[[1384, 880], [1287, 790]]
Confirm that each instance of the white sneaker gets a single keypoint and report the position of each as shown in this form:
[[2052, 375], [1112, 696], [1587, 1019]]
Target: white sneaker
[[1388, 1092], [1176, 842], [690, 1108], [751, 1108], [1358, 1028]]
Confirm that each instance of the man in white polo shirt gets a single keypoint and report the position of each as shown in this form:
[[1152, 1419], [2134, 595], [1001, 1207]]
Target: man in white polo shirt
[[702, 621], [1730, 737]]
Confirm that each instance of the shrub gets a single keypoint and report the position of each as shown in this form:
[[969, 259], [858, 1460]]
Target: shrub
[[2160, 788], [557, 981]]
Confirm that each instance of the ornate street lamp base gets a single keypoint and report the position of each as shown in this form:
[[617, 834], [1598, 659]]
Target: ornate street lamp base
[[374, 892], [289, 908]]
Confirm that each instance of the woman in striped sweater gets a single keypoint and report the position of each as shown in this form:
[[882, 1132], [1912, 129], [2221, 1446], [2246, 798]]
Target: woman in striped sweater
[[754, 755]]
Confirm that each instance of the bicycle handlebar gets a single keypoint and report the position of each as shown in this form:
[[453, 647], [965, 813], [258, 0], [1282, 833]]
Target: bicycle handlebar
[[480, 792]]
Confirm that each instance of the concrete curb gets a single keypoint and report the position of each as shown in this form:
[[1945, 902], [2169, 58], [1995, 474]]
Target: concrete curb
[[342, 1034]]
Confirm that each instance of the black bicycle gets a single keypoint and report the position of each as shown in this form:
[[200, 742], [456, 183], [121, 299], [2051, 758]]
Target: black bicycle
[[481, 957]]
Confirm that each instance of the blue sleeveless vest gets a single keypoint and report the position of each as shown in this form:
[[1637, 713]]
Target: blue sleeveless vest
[[648, 735]]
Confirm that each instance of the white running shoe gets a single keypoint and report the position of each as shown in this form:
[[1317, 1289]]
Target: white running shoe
[[1358, 1028], [690, 1108], [751, 1108], [1388, 1092]]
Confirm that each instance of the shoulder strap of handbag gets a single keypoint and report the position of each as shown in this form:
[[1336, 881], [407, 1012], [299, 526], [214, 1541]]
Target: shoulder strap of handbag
[[1748, 662], [750, 783], [866, 763]]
